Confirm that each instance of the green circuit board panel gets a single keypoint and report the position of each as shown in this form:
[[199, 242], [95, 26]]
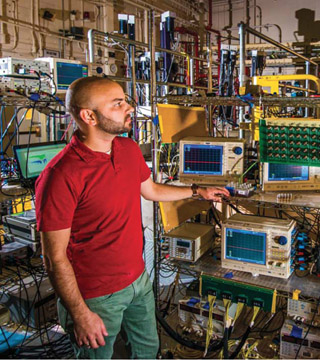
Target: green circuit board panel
[[238, 292], [292, 141]]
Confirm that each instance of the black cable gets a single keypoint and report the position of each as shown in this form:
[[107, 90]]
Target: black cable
[[240, 345], [181, 340], [29, 140], [216, 220], [6, 339], [51, 352], [39, 79], [225, 343], [53, 82]]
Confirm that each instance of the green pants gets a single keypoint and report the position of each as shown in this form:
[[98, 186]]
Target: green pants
[[134, 308]]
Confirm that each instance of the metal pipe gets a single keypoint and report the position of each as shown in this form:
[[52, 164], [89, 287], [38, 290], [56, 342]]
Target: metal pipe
[[184, 86], [247, 12], [14, 134], [229, 26], [153, 94], [273, 42], [63, 49], [297, 88], [191, 75], [93, 33], [121, 39], [134, 90], [269, 25], [306, 114], [209, 28], [255, 6], [242, 68], [183, 30], [26, 25], [210, 111], [145, 25], [260, 16], [210, 14]]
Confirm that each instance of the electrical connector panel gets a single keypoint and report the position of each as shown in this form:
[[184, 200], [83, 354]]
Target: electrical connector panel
[[238, 292], [23, 76], [15, 86], [260, 245], [22, 67], [293, 141], [194, 314], [241, 190]]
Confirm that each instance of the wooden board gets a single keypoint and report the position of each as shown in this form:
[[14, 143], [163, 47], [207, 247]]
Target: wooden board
[[174, 213], [177, 122]]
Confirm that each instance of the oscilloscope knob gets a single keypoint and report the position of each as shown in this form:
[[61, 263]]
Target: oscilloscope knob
[[237, 150], [281, 240]]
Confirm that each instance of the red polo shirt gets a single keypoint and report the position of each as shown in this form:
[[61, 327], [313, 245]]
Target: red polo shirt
[[98, 197]]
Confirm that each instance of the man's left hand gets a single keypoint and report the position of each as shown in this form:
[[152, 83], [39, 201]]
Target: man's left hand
[[213, 193]]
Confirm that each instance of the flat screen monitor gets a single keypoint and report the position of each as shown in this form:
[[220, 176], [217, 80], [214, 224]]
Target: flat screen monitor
[[244, 245], [284, 172], [202, 159], [33, 158]]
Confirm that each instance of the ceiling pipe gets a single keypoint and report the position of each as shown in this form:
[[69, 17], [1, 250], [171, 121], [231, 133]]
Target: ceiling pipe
[[217, 32], [270, 25], [183, 30], [210, 14]]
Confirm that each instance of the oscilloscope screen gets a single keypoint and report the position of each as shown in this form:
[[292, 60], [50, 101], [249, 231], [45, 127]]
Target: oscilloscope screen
[[243, 245], [202, 159], [284, 172], [68, 72]]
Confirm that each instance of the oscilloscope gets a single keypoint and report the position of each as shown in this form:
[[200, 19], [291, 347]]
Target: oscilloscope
[[210, 161], [64, 72], [290, 177], [259, 245]]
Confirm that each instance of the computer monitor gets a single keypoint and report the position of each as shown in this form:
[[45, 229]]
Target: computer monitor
[[243, 245], [210, 160], [33, 158], [290, 177]]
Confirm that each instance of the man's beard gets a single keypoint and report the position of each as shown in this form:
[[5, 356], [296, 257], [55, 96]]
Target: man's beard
[[111, 127]]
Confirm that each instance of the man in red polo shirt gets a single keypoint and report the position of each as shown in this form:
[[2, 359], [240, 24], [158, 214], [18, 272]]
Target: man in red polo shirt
[[89, 215]]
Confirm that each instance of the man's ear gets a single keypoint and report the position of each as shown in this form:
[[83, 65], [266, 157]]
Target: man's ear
[[88, 116]]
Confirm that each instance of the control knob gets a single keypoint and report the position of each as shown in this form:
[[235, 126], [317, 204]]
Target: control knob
[[237, 150], [281, 240]]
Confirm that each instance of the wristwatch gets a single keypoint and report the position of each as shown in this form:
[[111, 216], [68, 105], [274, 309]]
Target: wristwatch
[[194, 188]]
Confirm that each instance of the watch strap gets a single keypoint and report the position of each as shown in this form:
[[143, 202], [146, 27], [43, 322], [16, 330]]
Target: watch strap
[[194, 188]]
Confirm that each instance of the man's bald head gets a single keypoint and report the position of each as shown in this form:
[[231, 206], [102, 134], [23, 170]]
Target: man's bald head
[[82, 94]]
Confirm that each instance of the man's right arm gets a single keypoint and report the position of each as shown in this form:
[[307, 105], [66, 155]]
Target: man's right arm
[[89, 329]]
